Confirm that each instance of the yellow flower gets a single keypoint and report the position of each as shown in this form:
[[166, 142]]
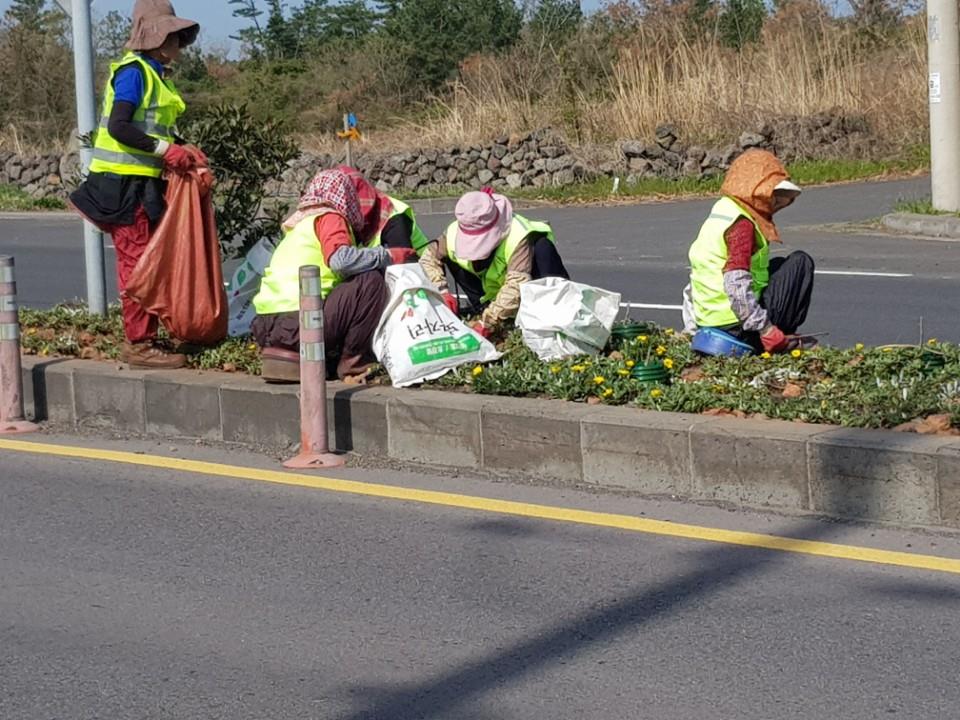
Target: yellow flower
[[252, 346], [796, 353], [478, 370], [630, 363], [888, 349], [578, 368], [858, 347], [622, 372], [599, 379], [765, 355], [661, 350], [608, 392], [655, 393], [932, 341], [555, 369], [668, 364], [668, 332], [642, 339]]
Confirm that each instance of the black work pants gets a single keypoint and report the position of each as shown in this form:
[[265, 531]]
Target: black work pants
[[546, 263], [786, 298]]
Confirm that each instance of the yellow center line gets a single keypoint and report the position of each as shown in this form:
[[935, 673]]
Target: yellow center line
[[502, 507]]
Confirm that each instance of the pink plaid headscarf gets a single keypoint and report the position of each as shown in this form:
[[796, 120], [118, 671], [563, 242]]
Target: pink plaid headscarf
[[329, 190]]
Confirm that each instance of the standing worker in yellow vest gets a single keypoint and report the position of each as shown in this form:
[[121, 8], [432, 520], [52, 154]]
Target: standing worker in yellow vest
[[491, 252], [734, 285], [135, 143], [387, 221], [323, 232]]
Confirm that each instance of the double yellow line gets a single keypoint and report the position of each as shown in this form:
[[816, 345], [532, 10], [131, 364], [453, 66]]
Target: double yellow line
[[501, 507]]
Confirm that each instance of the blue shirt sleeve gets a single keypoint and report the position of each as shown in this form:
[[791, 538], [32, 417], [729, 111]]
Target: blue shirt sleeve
[[128, 85]]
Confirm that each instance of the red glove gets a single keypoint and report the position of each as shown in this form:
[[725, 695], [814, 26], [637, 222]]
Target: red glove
[[401, 255], [773, 340], [451, 302], [179, 159], [482, 330]]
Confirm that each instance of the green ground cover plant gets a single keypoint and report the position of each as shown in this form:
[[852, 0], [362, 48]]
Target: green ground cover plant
[[13, 199], [644, 366]]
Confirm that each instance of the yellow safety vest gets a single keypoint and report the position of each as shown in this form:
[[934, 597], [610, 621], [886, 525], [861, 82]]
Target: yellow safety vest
[[708, 256], [280, 287], [156, 116], [418, 238], [496, 274]]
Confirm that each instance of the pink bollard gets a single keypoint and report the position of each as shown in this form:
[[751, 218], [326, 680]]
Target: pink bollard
[[314, 445], [12, 419]]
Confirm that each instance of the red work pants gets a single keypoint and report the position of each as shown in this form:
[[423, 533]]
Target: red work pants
[[130, 241]]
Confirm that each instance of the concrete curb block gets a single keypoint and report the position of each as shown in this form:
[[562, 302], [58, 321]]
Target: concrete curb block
[[857, 474], [945, 227]]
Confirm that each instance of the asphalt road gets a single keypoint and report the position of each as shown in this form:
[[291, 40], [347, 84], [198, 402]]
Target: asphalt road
[[873, 288], [133, 592]]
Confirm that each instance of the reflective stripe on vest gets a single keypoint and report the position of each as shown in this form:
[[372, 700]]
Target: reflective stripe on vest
[[495, 275], [708, 256], [122, 158], [418, 238], [280, 287], [148, 127], [156, 116]]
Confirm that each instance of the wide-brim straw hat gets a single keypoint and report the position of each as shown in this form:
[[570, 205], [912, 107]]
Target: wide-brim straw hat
[[154, 20]]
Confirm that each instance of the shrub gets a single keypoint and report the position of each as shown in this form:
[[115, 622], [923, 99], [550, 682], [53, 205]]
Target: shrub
[[244, 155]]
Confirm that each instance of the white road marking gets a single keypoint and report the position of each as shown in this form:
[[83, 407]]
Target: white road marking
[[651, 306], [863, 273]]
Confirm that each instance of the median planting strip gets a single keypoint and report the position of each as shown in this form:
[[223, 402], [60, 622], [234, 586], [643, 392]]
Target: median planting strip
[[875, 475]]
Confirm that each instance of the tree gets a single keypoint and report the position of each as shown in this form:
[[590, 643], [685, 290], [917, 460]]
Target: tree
[[440, 33], [556, 19], [40, 104], [110, 36], [320, 23], [741, 22], [30, 15]]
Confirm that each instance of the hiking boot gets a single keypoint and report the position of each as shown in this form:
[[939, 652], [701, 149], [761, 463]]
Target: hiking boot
[[151, 356]]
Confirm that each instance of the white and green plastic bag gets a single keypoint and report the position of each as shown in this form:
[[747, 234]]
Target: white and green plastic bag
[[418, 338]]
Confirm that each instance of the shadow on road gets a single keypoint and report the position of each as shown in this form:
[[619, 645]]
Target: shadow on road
[[452, 694]]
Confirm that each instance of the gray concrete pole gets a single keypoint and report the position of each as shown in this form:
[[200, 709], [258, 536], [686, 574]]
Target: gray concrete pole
[[943, 45], [86, 124]]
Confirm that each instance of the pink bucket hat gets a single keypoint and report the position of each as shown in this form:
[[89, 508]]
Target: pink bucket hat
[[483, 219]]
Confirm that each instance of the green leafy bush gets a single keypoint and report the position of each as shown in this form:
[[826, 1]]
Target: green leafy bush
[[244, 154]]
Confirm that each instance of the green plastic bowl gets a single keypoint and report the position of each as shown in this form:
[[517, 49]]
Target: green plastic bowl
[[653, 374]]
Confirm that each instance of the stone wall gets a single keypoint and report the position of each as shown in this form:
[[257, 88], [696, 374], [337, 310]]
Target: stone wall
[[826, 135], [540, 159], [39, 176]]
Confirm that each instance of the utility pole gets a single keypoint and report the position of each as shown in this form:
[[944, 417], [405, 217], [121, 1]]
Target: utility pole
[[943, 47], [79, 12]]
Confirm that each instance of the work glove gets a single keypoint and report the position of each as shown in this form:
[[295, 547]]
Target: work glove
[[402, 256], [482, 330], [773, 340], [451, 302], [179, 159]]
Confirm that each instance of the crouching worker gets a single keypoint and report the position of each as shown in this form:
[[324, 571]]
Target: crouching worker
[[323, 232], [734, 285], [490, 252], [387, 221], [136, 143]]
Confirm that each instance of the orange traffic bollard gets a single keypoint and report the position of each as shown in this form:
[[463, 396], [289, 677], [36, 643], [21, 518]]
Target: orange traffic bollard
[[12, 419], [314, 444]]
